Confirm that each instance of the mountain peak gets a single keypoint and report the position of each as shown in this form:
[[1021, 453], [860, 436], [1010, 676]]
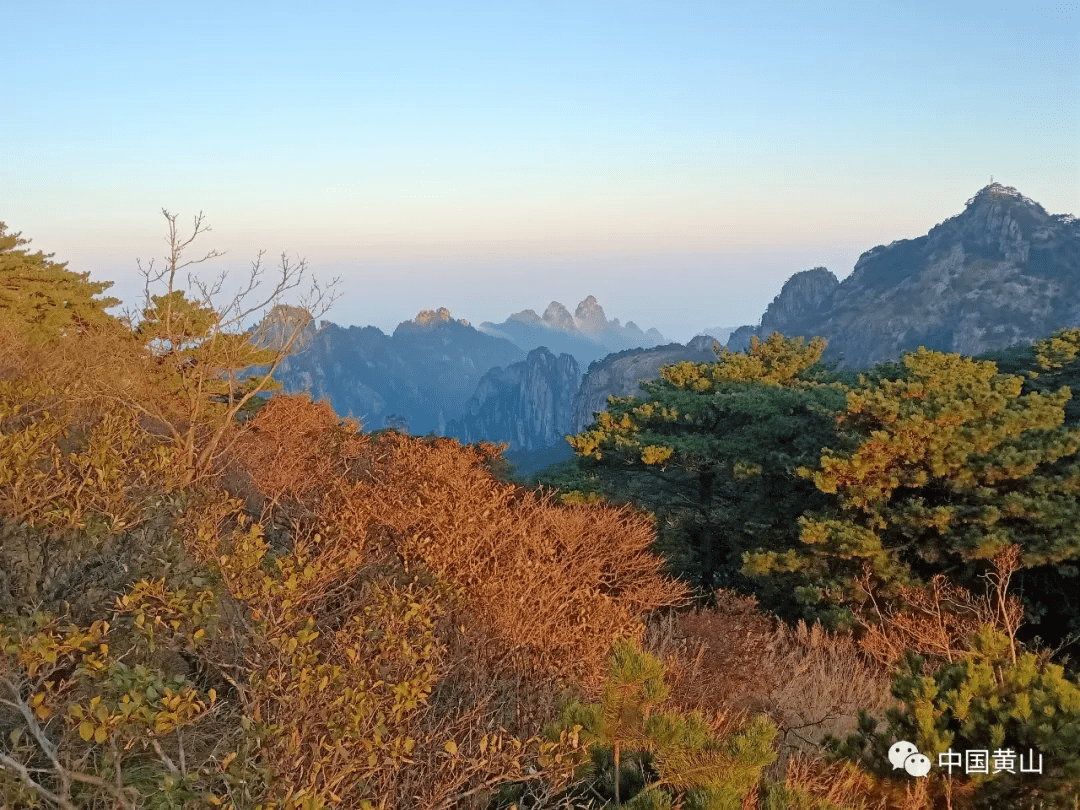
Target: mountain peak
[[804, 292], [589, 316], [1000, 272], [432, 315], [1000, 192], [998, 221], [557, 316]]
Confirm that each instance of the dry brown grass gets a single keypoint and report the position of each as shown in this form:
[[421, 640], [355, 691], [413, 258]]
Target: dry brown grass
[[938, 620], [846, 786], [734, 659]]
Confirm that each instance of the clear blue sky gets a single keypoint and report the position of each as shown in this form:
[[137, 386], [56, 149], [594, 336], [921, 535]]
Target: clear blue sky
[[679, 160]]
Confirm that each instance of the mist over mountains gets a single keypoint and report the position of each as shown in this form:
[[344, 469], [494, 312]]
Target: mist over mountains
[[419, 377], [587, 334], [1002, 272], [438, 374]]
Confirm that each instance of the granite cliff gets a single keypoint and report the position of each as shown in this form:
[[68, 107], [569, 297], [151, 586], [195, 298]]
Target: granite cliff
[[1002, 272], [528, 404], [621, 375], [421, 376]]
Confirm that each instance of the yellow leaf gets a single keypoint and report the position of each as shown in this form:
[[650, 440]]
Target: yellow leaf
[[101, 734], [86, 730], [213, 695], [451, 747]]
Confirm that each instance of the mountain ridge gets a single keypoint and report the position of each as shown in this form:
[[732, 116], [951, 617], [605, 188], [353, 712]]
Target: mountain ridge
[[997, 274], [587, 334]]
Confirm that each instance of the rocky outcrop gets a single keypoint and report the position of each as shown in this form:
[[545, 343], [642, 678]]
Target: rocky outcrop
[[803, 294], [422, 374], [621, 375], [528, 404], [719, 333], [587, 334], [1002, 272], [557, 317]]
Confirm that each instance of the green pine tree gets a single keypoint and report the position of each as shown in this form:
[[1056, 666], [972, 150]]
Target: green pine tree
[[647, 754], [712, 449], [45, 300], [950, 463]]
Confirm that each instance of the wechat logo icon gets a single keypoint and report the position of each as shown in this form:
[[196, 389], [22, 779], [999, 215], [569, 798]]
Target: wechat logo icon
[[905, 755]]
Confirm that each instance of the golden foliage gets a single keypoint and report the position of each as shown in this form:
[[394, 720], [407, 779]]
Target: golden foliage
[[552, 584], [423, 615], [825, 785]]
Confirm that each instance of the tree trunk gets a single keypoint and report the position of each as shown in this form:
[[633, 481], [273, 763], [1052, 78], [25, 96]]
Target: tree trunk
[[617, 802]]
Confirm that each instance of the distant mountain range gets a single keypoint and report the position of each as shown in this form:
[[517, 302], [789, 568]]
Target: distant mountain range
[[1000, 273], [420, 377], [437, 374], [587, 334]]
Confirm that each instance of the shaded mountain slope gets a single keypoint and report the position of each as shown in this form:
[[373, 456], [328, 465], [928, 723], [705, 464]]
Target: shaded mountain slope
[[420, 376], [1002, 272]]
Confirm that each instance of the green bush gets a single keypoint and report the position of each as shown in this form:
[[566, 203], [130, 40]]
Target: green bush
[[993, 698]]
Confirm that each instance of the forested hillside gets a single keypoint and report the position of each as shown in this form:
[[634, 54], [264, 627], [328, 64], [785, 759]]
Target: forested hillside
[[214, 598]]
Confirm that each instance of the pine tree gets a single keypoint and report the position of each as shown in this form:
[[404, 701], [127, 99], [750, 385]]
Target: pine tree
[[675, 758], [950, 464], [712, 449], [43, 299]]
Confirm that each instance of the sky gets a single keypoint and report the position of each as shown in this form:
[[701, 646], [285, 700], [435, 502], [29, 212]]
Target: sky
[[677, 160]]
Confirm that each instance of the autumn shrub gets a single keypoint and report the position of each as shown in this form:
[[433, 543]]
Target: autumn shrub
[[412, 636], [732, 658], [299, 452], [555, 585], [92, 717], [551, 585], [85, 490]]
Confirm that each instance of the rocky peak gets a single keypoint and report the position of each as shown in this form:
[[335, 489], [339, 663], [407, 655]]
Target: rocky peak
[[589, 316], [998, 221], [528, 404], [279, 324], [431, 316], [803, 293], [558, 317], [1001, 272], [525, 316], [703, 343]]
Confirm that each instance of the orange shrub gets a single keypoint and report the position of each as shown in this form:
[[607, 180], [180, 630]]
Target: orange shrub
[[516, 597], [554, 585]]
